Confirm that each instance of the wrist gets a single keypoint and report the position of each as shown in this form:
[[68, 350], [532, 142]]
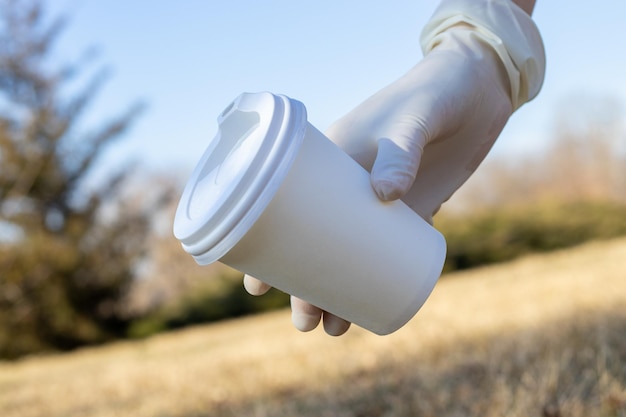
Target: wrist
[[506, 29], [476, 52]]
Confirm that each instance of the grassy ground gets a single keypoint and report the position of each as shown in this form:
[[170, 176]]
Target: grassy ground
[[541, 336]]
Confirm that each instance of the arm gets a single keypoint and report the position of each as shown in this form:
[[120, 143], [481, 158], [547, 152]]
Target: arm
[[424, 135]]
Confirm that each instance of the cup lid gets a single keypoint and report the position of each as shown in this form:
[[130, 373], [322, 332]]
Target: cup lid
[[244, 164]]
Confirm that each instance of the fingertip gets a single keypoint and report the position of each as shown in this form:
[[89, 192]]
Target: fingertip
[[305, 317], [335, 326], [387, 190], [305, 322], [255, 286]]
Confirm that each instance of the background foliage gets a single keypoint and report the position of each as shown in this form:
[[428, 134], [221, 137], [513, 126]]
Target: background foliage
[[81, 264], [499, 235], [64, 266]]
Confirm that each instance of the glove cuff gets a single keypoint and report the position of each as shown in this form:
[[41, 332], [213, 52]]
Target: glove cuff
[[508, 29]]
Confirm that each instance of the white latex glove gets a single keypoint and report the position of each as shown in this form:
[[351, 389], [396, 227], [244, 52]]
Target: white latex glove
[[423, 136]]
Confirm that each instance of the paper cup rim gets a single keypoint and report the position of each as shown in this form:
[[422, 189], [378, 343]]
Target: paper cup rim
[[208, 233]]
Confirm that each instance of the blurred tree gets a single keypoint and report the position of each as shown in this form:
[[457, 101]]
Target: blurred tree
[[584, 159], [176, 292], [63, 266]]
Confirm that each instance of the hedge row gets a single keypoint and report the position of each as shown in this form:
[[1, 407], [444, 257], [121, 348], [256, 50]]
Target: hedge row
[[502, 234], [487, 237]]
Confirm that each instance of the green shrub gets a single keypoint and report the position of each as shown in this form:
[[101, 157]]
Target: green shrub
[[485, 237], [501, 234]]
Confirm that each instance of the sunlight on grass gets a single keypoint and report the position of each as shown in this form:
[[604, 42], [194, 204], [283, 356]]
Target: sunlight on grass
[[542, 335]]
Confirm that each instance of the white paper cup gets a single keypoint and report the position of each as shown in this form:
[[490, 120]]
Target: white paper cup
[[274, 198]]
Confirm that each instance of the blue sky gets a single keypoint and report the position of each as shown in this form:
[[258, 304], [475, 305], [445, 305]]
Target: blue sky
[[188, 59]]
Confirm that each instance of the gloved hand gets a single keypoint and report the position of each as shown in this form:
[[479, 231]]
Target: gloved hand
[[423, 136]]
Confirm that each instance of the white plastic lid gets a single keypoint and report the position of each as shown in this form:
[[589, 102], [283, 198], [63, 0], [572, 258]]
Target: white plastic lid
[[258, 138]]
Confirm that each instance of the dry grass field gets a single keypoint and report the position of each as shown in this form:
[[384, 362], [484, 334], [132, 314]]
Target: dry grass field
[[541, 336]]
